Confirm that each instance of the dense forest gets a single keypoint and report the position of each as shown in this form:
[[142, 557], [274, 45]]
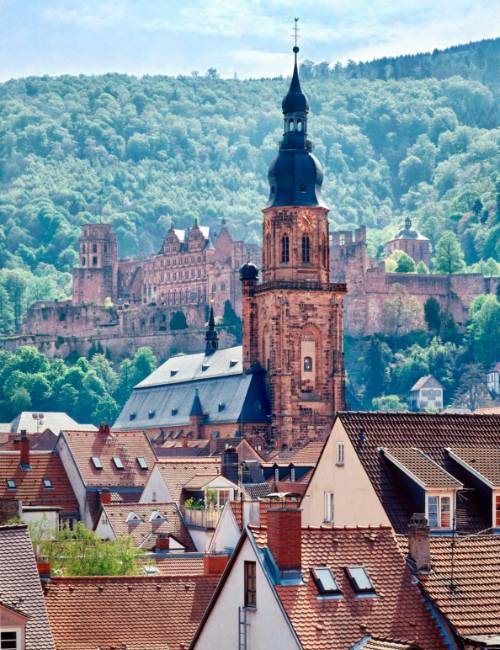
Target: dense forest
[[413, 135]]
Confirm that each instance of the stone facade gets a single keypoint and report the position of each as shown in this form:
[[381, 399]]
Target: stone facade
[[369, 285]]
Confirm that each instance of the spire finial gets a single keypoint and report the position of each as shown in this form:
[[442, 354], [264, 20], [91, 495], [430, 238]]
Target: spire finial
[[211, 336], [295, 36]]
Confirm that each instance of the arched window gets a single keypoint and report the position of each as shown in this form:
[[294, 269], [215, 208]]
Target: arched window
[[291, 126], [268, 250], [299, 125], [285, 249], [306, 249], [308, 364]]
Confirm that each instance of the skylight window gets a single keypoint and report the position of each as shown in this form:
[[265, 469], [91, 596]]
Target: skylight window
[[142, 462], [47, 483], [97, 462], [132, 416], [151, 414], [150, 569], [360, 579], [325, 581], [175, 411], [205, 366], [118, 462], [232, 362], [173, 372], [11, 484]]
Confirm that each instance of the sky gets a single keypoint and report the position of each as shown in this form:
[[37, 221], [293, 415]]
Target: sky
[[250, 38]]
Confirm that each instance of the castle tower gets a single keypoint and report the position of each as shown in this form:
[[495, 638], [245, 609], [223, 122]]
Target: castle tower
[[292, 321], [96, 277]]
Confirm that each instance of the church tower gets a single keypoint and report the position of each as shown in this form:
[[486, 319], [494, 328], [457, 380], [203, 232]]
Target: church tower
[[292, 319]]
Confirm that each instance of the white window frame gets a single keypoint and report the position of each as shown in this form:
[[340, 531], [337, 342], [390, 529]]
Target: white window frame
[[439, 498], [18, 632], [329, 508], [340, 449]]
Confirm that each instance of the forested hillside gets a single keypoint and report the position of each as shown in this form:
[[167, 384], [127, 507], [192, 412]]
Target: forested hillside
[[142, 153]]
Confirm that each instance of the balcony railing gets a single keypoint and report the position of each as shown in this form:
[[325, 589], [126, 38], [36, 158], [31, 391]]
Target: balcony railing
[[202, 517]]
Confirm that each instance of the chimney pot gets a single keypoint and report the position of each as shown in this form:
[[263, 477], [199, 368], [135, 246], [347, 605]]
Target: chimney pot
[[419, 548], [162, 542], [105, 496], [25, 449], [43, 570], [284, 537]]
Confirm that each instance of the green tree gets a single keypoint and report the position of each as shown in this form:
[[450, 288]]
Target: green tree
[[422, 267], [388, 403], [484, 328], [405, 264], [106, 410], [471, 387], [449, 257], [432, 314], [375, 363]]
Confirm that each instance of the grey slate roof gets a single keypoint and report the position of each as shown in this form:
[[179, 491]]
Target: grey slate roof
[[20, 586], [226, 394], [53, 420]]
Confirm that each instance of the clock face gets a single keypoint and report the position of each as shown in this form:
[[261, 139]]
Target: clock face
[[306, 221]]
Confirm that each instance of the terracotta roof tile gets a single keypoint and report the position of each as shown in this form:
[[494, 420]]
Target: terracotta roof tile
[[431, 434], [307, 455], [397, 613], [182, 564], [126, 445], [177, 472], [472, 605], [144, 533], [20, 585], [157, 612], [423, 468], [384, 644], [30, 488], [483, 460]]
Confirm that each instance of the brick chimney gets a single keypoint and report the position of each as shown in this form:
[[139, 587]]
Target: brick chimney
[[419, 548], [162, 543], [43, 570], [230, 464], [25, 449], [214, 565], [284, 538], [105, 497], [104, 428]]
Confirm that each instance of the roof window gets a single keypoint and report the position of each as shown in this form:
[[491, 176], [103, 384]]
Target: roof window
[[118, 462], [97, 462], [47, 483], [232, 363], [173, 372], [11, 484], [132, 416], [142, 462], [151, 414], [360, 579], [205, 366], [175, 411], [325, 581], [150, 570], [222, 406], [156, 517]]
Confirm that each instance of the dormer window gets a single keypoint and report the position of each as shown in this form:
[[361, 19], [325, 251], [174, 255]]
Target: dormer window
[[174, 411], [221, 406], [151, 414], [156, 517], [325, 581], [205, 366], [118, 462], [96, 462], [132, 416], [132, 518], [232, 363], [11, 484], [173, 372], [360, 580], [439, 511]]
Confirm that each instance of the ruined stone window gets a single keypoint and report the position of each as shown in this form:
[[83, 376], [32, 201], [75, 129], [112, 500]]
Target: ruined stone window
[[285, 249], [306, 249], [222, 286]]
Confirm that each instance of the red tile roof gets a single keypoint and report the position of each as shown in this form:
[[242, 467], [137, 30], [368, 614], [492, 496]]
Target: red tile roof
[[139, 613], [307, 455], [177, 472], [483, 460], [182, 564], [431, 433], [383, 644], [30, 488], [127, 445], [423, 468], [144, 533], [20, 586], [398, 613], [472, 605]]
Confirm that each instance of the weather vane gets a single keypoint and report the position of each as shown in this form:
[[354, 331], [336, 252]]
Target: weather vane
[[296, 35]]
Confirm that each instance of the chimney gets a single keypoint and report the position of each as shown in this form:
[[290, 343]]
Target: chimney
[[104, 428], [105, 497], [162, 543], [230, 464], [284, 539], [25, 450], [43, 570], [214, 565], [419, 548]]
